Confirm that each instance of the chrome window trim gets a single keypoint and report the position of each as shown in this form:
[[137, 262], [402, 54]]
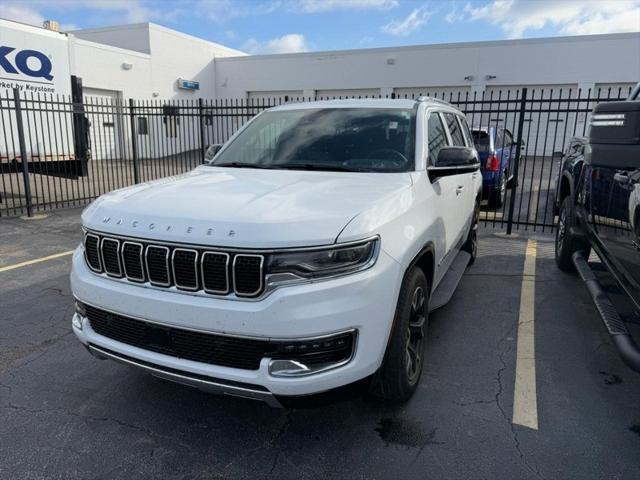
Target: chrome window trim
[[124, 264], [166, 261], [99, 252], [226, 272], [255, 292], [104, 265], [195, 269]]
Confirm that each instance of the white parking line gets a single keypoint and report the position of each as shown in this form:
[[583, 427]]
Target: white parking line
[[37, 260], [525, 403]]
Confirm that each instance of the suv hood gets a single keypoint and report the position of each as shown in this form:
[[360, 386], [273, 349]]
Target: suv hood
[[247, 208]]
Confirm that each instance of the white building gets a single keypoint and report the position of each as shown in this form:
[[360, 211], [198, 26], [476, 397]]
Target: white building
[[145, 62]]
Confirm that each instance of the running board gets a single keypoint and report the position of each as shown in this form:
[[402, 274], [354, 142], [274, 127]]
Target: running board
[[620, 336], [447, 286]]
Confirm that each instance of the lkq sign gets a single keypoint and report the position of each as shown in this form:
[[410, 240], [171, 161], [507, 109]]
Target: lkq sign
[[33, 60]]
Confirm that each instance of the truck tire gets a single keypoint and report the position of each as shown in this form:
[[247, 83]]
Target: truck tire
[[567, 244], [471, 244], [399, 375]]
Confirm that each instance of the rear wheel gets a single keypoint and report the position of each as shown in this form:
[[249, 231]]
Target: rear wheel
[[566, 243], [471, 245], [399, 375], [498, 195]]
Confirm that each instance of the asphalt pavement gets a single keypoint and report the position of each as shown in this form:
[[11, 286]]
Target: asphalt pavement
[[67, 415]]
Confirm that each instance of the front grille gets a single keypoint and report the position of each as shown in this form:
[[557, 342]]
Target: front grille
[[158, 265], [191, 269], [185, 268], [245, 279], [111, 257], [92, 252], [132, 261], [210, 348]]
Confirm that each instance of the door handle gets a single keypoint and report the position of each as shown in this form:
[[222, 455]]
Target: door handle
[[459, 190]]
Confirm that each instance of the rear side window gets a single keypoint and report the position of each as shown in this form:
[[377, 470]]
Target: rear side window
[[454, 129], [465, 131], [436, 136]]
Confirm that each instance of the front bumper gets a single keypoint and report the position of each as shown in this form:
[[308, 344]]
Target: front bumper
[[364, 301]]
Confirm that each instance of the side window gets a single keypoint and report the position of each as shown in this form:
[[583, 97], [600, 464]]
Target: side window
[[508, 139], [454, 129], [465, 131], [436, 136]]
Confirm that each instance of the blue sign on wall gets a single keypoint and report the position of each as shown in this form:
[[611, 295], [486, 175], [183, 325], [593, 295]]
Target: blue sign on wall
[[188, 84]]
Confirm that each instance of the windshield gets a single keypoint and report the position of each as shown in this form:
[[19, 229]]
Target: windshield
[[349, 139]]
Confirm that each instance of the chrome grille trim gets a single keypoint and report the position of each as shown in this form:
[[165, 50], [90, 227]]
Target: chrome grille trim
[[195, 269], [166, 260], [261, 274], [124, 263], [86, 258], [117, 242], [226, 271]]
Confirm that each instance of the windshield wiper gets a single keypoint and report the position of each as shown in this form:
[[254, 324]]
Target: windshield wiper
[[239, 165], [314, 166]]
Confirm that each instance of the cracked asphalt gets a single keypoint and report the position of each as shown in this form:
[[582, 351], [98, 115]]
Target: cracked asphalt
[[66, 415]]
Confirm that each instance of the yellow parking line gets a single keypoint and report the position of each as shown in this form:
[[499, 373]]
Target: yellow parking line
[[37, 260], [525, 403]]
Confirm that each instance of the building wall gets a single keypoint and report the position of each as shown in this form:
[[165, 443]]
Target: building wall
[[582, 60]]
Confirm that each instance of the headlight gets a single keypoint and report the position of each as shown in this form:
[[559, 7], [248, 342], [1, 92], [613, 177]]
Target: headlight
[[324, 262]]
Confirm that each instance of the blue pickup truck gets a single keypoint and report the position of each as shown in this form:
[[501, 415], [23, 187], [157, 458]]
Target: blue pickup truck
[[598, 205], [496, 149]]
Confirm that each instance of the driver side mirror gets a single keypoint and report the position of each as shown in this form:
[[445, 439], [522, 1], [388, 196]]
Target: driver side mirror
[[454, 161], [211, 152]]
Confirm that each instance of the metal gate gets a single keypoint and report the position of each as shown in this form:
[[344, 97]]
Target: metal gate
[[40, 169]]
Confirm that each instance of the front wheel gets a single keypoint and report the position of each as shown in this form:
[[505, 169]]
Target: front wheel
[[399, 375]]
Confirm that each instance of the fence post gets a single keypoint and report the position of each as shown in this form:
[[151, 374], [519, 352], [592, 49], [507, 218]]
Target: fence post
[[514, 186], [203, 148], [23, 151], [134, 141]]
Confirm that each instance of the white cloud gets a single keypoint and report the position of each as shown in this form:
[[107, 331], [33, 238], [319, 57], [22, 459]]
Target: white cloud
[[314, 6], [290, 43], [21, 13], [414, 21], [571, 17]]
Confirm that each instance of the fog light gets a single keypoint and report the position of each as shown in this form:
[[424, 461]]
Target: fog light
[[308, 356], [81, 312], [286, 368]]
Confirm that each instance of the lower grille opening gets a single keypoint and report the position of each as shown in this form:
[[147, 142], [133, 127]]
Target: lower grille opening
[[226, 351]]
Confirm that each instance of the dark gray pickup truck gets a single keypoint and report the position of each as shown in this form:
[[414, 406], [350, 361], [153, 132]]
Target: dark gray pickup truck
[[599, 209]]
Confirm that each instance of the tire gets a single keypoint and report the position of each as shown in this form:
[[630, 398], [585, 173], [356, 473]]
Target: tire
[[567, 244], [399, 375], [471, 245], [498, 195]]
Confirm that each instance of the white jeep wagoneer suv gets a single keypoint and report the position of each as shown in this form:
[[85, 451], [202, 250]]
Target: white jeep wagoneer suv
[[306, 255]]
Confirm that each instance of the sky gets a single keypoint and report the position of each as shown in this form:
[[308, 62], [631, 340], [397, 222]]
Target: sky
[[284, 26]]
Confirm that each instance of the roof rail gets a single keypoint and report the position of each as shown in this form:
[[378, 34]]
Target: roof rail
[[423, 98]]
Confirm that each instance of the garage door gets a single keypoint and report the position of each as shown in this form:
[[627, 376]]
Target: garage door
[[348, 93], [101, 107], [443, 93]]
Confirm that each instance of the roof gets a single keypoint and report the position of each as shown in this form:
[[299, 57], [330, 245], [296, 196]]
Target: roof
[[360, 103]]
